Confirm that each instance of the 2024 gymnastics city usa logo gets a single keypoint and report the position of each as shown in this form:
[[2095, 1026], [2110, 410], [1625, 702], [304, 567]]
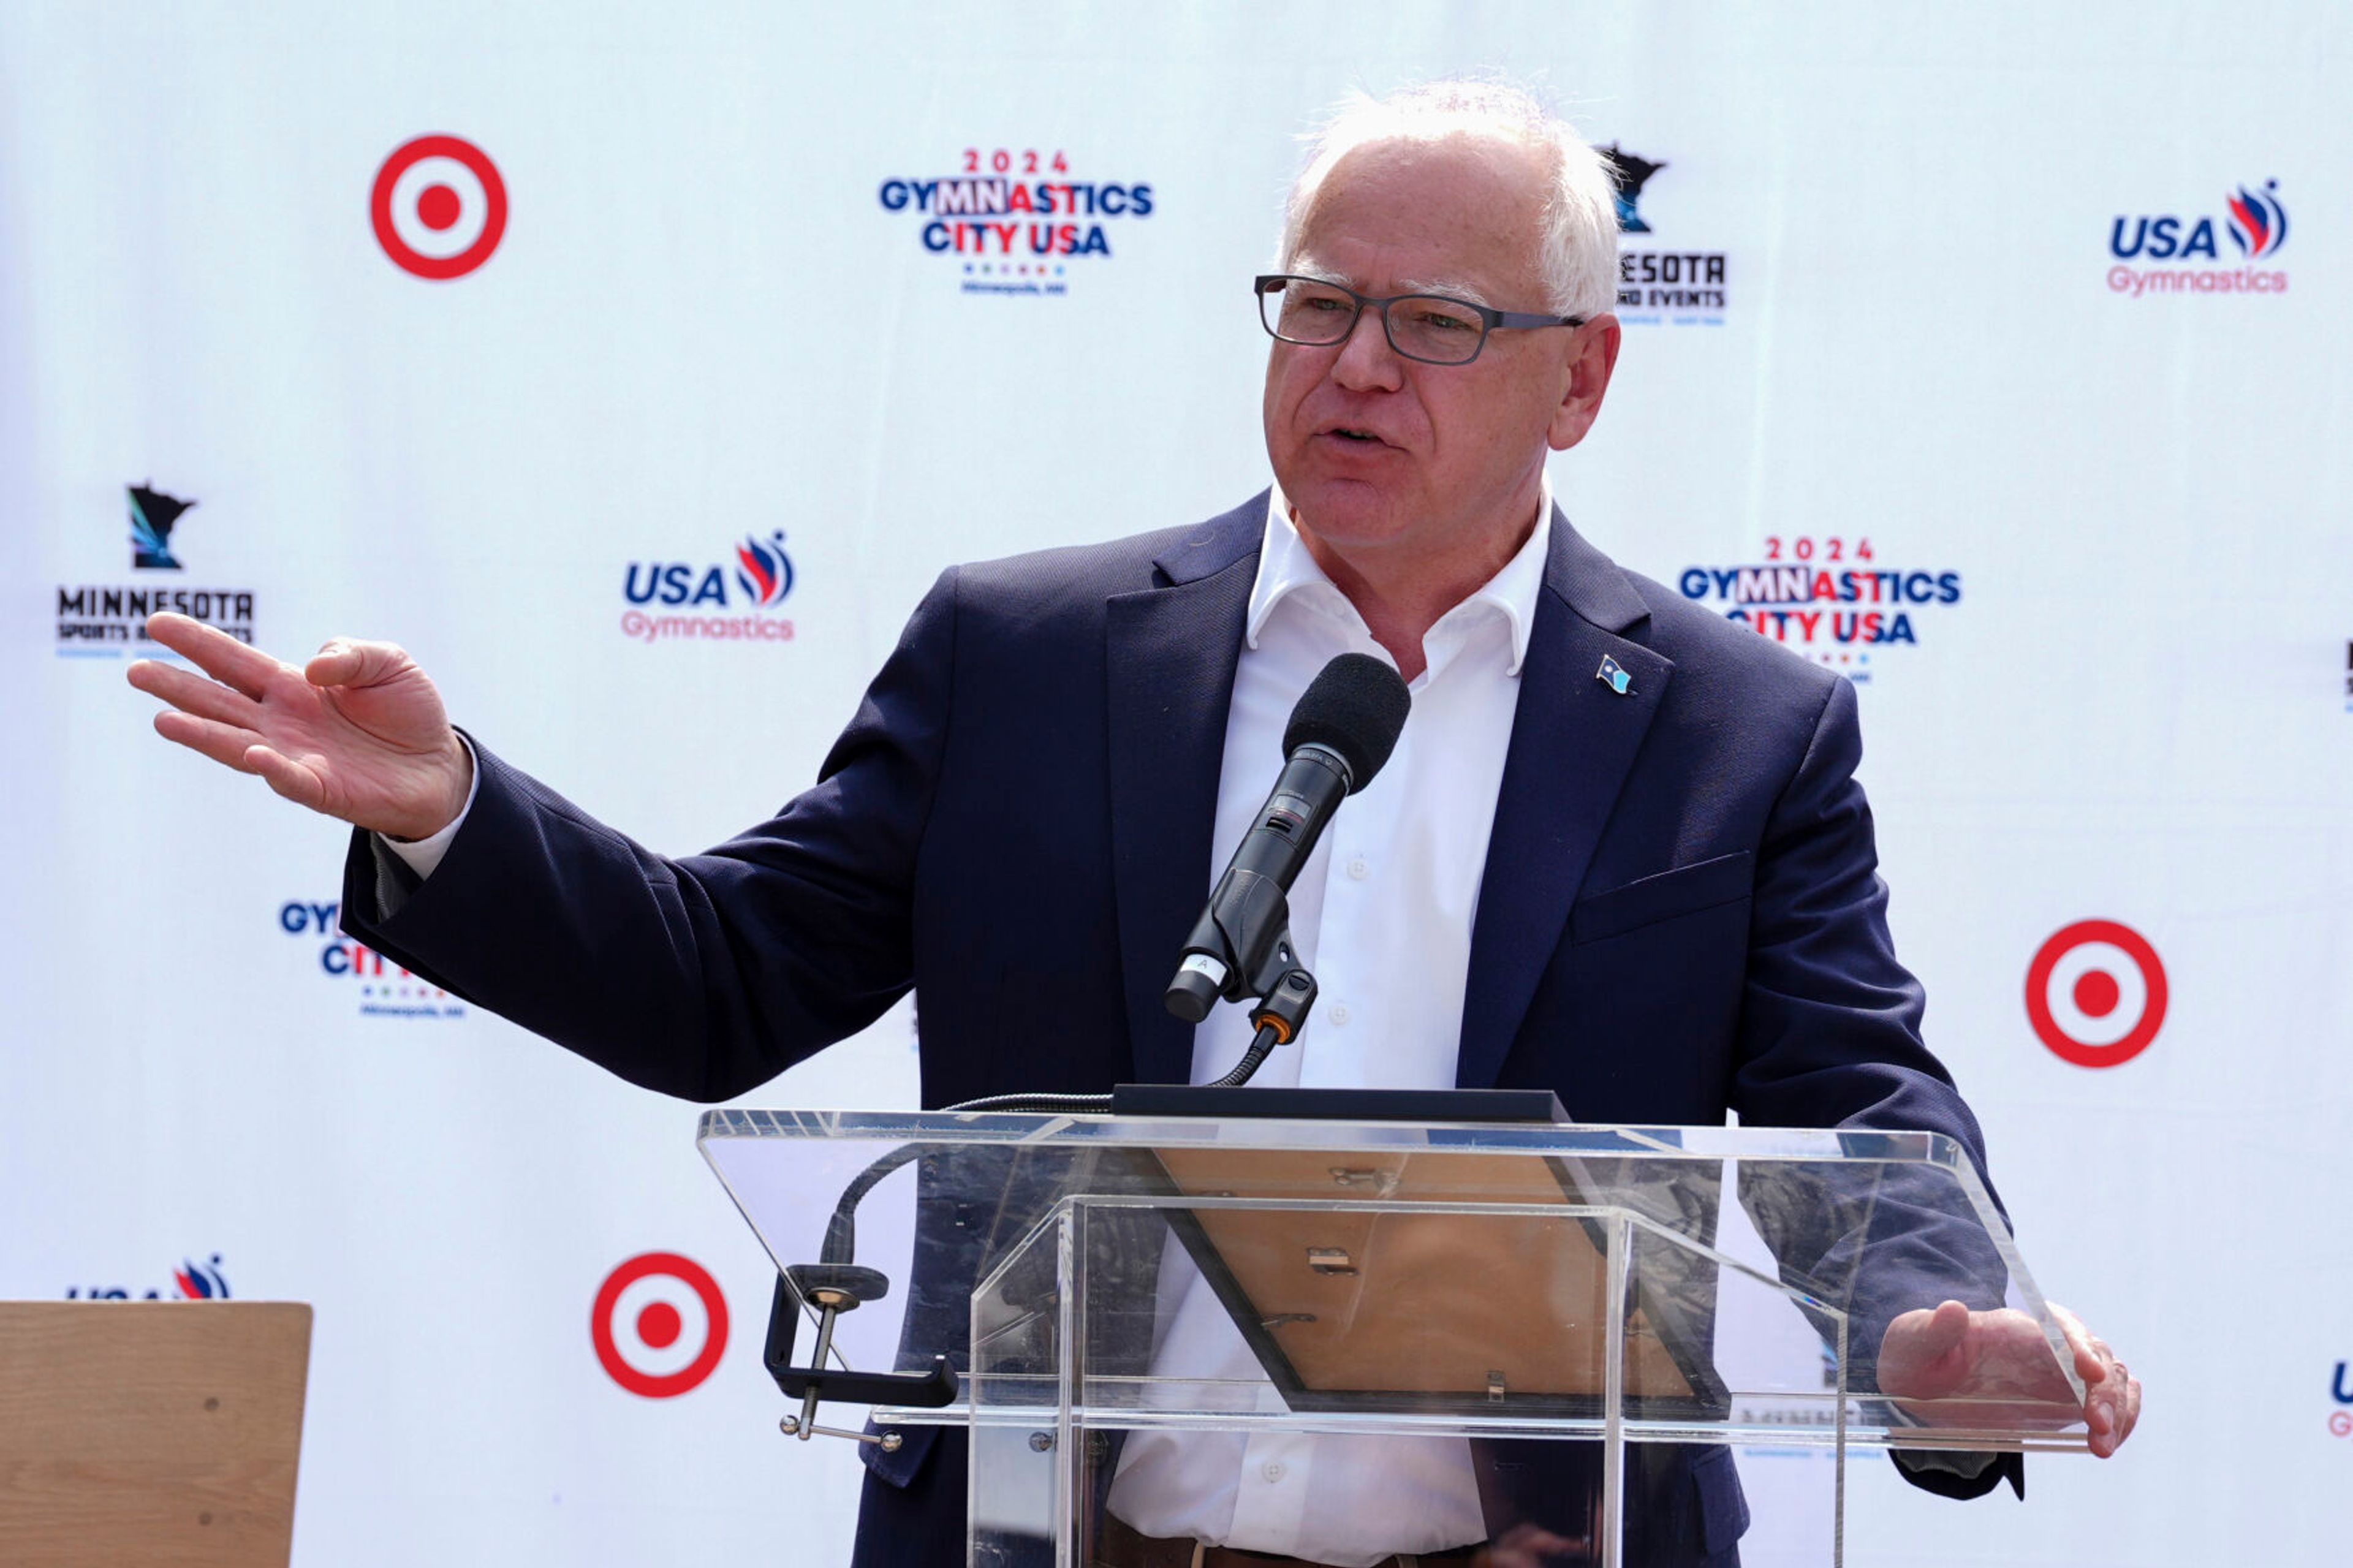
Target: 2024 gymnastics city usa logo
[[1017, 221], [711, 601], [2173, 253], [378, 986], [1840, 602]]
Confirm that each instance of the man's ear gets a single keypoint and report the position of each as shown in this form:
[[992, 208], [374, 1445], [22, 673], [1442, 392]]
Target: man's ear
[[1591, 358]]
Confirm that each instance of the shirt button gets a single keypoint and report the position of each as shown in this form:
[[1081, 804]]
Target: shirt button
[[1358, 870], [1339, 1012], [1272, 1470]]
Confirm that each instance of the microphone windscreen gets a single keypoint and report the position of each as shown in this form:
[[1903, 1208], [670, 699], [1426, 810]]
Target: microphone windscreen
[[1355, 706]]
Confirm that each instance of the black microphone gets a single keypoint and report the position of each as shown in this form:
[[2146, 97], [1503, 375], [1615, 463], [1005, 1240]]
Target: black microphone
[[1346, 725]]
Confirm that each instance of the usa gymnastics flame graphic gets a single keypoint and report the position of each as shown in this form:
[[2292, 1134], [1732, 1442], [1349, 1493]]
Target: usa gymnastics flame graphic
[[2259, 223], [766, 571], [200, 1282]]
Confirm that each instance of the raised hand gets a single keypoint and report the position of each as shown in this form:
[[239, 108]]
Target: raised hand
[[359, 732], [2002, 1357]]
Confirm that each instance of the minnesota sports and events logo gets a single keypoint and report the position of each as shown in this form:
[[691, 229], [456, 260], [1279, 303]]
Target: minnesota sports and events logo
[[1673, 287], [2173, 253], [106, 620], [1838, 601], [1018, 222]]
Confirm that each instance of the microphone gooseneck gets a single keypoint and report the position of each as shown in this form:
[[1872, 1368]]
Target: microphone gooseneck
[[1340, 734]]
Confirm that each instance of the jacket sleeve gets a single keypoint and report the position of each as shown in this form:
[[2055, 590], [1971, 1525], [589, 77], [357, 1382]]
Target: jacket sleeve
[[700, 976], [1830, 1036]]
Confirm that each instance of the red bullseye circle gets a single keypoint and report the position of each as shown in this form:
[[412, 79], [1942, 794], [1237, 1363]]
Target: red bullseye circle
[[658, 1325], [436, 208], [2095, 994], [441, 203]]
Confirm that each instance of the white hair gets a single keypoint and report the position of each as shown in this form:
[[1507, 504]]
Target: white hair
[[1577, 247]]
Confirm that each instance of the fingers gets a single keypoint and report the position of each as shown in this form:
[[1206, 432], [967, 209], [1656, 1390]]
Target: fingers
[[2114, 1410], [1944, 1329], [2112, 1403], [1940, 1333], [2090, 1358], [343, 662], [1922, 1355], [290, 778], [193, 694], [1529, 1546], [224, 743], [214, 651], [241, 749]]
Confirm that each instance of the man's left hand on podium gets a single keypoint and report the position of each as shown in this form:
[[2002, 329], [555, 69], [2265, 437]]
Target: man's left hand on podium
[[1953, 1352]]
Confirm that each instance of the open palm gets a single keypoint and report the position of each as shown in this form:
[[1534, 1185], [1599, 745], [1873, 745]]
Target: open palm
[[357, 733]]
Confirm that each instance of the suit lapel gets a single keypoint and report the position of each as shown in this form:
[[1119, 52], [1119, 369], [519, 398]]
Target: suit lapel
[[1574, 737], [1171, 653]]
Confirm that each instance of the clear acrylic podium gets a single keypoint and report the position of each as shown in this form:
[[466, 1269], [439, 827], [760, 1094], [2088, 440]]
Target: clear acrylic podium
[[1634, 1337]]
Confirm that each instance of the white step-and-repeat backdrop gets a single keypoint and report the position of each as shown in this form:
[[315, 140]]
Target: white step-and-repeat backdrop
[[638, 367]]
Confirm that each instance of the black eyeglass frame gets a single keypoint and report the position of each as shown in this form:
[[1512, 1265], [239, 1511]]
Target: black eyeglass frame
[[1489, 317]]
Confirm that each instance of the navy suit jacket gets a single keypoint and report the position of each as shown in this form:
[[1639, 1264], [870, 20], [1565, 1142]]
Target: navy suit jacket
[[1680, 913]]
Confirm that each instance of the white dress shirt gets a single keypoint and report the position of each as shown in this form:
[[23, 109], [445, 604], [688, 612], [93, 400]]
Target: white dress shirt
[[1381, 913]]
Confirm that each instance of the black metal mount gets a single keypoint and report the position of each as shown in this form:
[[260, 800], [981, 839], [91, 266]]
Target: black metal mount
[[834, 1288]]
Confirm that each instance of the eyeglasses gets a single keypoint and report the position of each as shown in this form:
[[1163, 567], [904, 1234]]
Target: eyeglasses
[[1435, 329]]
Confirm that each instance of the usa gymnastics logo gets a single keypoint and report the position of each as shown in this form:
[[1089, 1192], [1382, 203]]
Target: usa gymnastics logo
[[1832, 600], [2189, 254], [658, 1325], [2258, 223], [2340, 1420], [713, 601], [381, 988], [1016, 222], [763, 571], [1675, 288], [439, 207], [2097, 994], [191, 1281]]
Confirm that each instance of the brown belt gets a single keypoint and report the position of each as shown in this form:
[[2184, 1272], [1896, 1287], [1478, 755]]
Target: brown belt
[[1117, 1545]]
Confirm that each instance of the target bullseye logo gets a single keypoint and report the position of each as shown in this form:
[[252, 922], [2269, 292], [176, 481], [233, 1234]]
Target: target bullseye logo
[[2095, 994], [659, 1324], [438, 206]]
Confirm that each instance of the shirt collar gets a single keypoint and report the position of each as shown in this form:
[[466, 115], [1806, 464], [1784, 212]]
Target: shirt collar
[[1285, 567]]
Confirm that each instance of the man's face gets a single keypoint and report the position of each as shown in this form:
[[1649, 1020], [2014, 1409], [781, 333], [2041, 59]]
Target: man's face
[[1390, 459]]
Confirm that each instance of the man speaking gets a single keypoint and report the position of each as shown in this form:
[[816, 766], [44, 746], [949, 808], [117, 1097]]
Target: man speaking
[[1618, 852]]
